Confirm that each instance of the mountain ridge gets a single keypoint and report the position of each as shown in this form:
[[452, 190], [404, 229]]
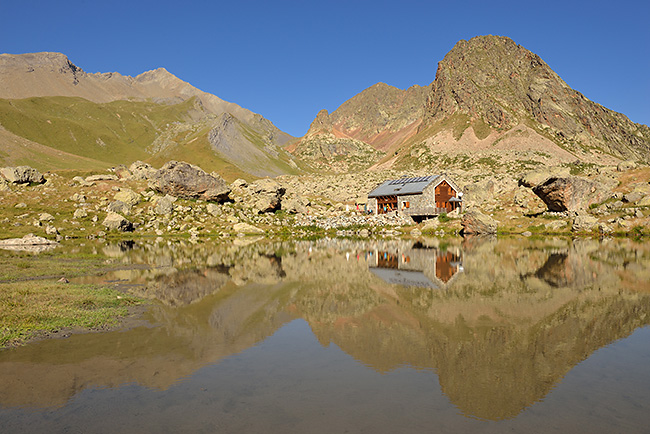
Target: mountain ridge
[[44, 75], [492, 101]]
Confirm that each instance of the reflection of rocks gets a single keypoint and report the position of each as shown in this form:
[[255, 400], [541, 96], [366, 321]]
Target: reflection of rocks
[[500, 335], [185, 287]]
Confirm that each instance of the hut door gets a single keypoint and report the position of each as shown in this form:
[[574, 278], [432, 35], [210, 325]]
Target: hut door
[[444, 192]]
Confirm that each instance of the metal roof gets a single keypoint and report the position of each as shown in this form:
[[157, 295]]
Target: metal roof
[[402, 186]]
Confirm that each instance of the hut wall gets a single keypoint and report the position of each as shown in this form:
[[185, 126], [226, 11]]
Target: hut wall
[[372, 205]]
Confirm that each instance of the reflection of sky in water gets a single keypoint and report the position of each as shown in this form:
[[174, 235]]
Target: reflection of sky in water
[[533, 338]]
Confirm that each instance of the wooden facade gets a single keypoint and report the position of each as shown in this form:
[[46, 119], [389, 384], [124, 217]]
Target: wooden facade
[[443, 193], [420, 198]]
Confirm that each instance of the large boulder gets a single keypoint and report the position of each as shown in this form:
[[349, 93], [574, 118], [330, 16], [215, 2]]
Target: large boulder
[[536, 177], [475, 222], [584, 222], [266, 195], [296, 205], [114, 221], [22, 175], [187, 181], [571, 193]]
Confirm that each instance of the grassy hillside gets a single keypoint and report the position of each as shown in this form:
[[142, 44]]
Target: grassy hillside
[[116, 132]]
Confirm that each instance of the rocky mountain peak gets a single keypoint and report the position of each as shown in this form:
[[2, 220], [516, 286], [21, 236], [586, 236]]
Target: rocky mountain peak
[[31, 62], [322, 124], [493, 79]]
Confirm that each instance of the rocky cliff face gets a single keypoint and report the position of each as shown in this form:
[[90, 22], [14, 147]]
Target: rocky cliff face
[[328, 149], [493, 79], [364, 127]]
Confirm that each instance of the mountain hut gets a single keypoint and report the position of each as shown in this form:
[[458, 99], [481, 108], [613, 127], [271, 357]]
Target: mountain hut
[[420, 197]]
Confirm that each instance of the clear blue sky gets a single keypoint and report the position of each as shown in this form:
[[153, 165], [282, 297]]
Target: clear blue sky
[[288, 59]]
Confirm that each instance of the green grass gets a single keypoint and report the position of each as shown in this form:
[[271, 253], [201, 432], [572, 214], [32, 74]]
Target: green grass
[[114, 132], [28, 309]]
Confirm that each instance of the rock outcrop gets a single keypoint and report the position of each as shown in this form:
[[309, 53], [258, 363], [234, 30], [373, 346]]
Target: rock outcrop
[[187, 181], [22, 175], [569, 194]]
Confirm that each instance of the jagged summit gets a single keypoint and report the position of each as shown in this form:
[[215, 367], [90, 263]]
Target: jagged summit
[[493, 79]]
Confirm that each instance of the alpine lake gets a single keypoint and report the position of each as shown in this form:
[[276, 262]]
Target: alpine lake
[[441, 335]]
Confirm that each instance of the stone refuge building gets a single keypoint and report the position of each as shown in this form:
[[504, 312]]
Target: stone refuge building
[[420, 197]]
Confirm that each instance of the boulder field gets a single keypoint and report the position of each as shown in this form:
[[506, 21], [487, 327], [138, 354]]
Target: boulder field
[[181, 199]]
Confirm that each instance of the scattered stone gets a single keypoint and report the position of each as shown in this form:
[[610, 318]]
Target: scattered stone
[[80, 213], [165, 205], [604, 229], [556, 225], [117, 206], [475, 222], [63, 280], [82, 182], [213, 209], [537, 177], [122, 172], [51, 230], [527, 234], [105, 177], [626, 165], [245, 228], [45, 217], [295, 205], [267, 195], [27, 240], [430, 225], [78, 197], [21, 205], [141, 171], [114, 221], [633, 197], [128, 196], [22, 175]]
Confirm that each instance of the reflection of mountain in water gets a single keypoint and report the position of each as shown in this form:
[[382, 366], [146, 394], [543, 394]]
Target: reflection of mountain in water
[[416, 265], [500, 336]]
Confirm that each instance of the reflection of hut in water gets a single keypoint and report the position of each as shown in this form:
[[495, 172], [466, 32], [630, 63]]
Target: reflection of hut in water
[[416, 266]]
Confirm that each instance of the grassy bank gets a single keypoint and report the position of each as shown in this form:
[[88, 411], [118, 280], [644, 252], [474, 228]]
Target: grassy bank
[[34, 303], [36, 307]]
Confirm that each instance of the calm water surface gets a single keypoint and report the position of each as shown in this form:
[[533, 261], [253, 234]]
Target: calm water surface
[[344, 336]]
